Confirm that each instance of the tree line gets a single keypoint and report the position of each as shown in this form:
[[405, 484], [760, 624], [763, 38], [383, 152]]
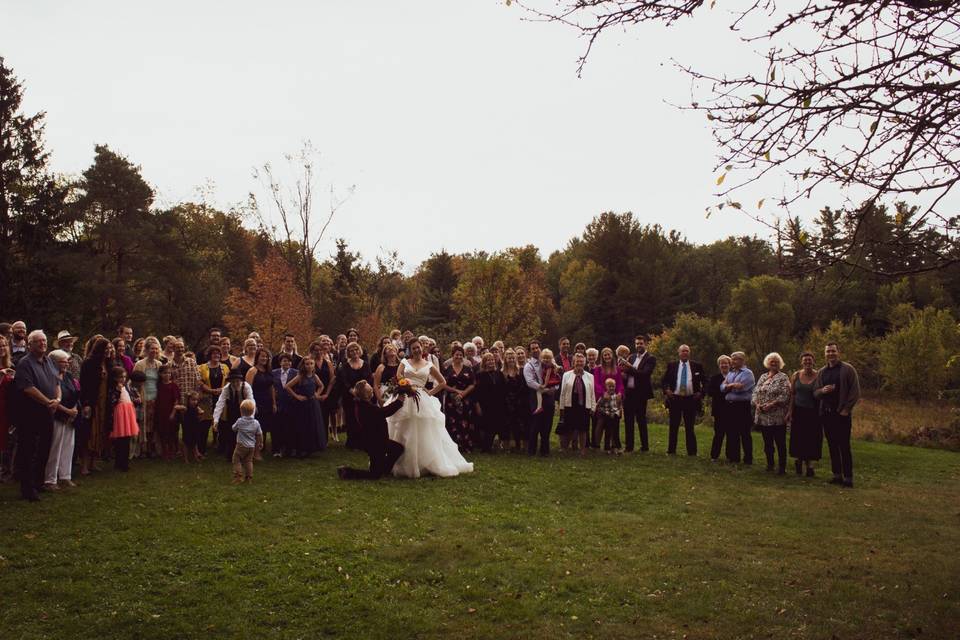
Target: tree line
[[93, 251]]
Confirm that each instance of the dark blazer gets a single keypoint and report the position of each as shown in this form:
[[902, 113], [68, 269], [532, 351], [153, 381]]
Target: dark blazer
[[284, 399], [642, 384], [669, 380], [373, 422]]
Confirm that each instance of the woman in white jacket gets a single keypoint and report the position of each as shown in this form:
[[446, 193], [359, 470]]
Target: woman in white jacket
[[577, 401]]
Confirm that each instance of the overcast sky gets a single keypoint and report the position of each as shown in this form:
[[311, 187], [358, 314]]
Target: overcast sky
[[462, 126]]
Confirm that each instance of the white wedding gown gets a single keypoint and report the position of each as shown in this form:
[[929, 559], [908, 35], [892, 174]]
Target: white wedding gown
[[428, 448]]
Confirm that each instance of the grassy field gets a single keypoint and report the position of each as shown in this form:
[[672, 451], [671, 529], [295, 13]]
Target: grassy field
[[639, 546]]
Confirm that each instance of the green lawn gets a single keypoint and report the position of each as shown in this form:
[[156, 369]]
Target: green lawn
[[644, 545]]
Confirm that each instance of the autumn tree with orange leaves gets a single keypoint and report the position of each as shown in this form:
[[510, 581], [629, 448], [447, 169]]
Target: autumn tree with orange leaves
[[271, 305]]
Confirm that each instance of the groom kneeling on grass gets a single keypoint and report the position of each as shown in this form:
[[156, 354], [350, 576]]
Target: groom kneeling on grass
[[374, 437]]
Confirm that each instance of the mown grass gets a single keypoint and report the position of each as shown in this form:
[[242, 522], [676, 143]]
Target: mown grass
[[637, 546]]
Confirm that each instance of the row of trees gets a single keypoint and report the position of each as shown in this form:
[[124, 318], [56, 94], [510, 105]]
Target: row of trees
[[93, 251]]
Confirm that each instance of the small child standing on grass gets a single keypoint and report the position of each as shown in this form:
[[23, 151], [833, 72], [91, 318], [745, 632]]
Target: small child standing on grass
[[124, 417], [190, 422], [609, 410], [249, 440]]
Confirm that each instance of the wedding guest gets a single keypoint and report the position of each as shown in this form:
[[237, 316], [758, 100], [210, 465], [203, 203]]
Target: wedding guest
[[517, 405], [138, 347], [608, 369], [327, 372], [837, 387], [94, 391], [37, 380], [461, 381], [167, 344], [352, 371], [249, 440], [125, 333], [191, 422], [123, 424], [386, 372], [490, 396], [479, 344], [213, 378], [260, 379], [65, 342], [806, 432], [637, 371], [248, 358], [120, 348], [227, 356], [578, 401], [718, 406], [185, 374], [376, 358], [537, 374], [470, 357], [310, 434], [289, 348], [738, 385], [7, 401], [565, 360], [682, 386], [340, 350], [609, 410], [227, 411], [255, 336], [354, 336], [771, 400], [283, 423], [18, 341], [165, 409], [580, 348], [60, 459], [382, 451]]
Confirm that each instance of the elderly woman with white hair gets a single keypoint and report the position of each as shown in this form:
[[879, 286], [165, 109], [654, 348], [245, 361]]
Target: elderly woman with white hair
[[60, 459], [771, 401]]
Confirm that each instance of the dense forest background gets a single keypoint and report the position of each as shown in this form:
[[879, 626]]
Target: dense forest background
[[92, 251]]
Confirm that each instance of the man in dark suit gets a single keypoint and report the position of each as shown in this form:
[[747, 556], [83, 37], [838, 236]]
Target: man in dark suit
[[682, 386], [383, 451], [637, 390]]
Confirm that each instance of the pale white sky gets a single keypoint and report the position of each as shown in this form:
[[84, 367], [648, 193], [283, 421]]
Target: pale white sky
[[463, 126]]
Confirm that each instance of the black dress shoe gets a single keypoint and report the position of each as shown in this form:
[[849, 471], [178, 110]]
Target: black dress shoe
[[835, 480], [32, 496], [810, 472], [848, 483]]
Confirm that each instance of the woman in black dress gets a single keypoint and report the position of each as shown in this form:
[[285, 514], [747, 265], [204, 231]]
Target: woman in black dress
[[718, 406], [386, 373], [352, 371], [245, 363], [491, 403], [516, 402], [806, 431], [461, 382], [260, 379], [377, 358]]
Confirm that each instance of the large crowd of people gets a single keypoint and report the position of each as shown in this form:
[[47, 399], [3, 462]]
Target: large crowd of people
[[124, 398]]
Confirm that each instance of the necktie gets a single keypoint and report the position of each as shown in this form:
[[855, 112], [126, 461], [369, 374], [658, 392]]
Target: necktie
[[683, 378]]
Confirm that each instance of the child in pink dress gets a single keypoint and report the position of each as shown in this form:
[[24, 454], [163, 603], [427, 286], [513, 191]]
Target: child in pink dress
[[124, 413]]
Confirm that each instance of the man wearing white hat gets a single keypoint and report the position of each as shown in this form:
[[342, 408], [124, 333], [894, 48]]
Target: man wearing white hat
[[65, 342]]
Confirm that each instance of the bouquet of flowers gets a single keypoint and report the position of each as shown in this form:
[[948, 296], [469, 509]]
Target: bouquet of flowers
[[402, 387]]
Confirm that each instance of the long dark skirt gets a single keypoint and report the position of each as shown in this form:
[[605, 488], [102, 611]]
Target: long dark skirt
[[806, 434], [310, 432]]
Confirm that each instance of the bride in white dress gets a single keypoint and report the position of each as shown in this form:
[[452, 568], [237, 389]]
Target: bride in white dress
[[428, 448]]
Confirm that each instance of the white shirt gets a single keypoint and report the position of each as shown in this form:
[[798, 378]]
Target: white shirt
[[246, 394], [689, 390], [632, 379]]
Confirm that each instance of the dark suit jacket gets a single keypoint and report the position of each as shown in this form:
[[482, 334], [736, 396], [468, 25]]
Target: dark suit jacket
[[669, 380], [642, 384], [373, 422]]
